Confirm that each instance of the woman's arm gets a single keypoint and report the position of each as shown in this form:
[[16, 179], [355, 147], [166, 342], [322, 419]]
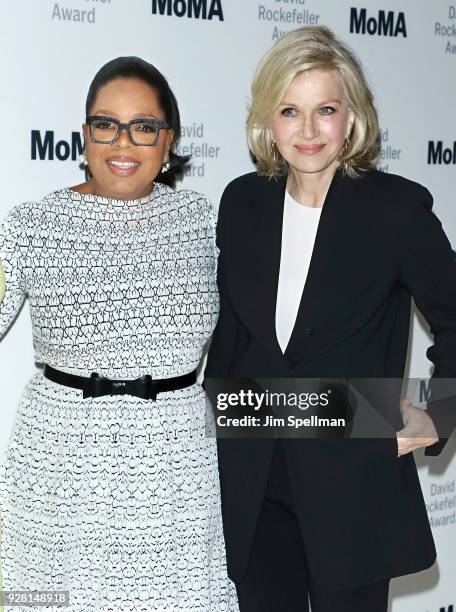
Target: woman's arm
[[223, 343], [429, 272], [13, 292]]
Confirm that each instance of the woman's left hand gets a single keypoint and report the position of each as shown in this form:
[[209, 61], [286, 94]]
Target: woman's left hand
[[418, 432]]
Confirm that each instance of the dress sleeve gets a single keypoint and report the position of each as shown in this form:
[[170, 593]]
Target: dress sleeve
[[224, 339], [12, 292], [209, 207], [2, 283]]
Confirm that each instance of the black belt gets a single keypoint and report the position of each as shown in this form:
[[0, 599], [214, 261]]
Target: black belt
[[145, 387]]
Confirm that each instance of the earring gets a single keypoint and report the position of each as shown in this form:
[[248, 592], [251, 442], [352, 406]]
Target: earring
[[346, 163], [165, 167], [274, 151], [83, 159]]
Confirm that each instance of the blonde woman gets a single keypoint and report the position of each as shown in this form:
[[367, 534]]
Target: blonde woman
[[320, 255]]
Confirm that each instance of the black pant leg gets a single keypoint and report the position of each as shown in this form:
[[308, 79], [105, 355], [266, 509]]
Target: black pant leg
[[276, 578], [368, 598]]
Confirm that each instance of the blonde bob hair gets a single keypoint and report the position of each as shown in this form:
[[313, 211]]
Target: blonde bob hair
[[303, 49]]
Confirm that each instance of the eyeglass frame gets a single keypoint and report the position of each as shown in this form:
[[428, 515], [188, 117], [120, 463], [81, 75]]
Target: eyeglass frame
[[160, 125]]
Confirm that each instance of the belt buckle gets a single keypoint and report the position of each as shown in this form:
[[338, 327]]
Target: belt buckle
[[144, 387], [118, 387], [99, 386]]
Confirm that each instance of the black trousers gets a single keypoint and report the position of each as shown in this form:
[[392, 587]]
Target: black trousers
[[278, 577]]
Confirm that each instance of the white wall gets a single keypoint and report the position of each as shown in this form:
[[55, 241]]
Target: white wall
[[47, 62]]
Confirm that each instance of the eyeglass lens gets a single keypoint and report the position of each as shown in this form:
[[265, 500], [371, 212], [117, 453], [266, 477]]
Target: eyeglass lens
[[106, 131]]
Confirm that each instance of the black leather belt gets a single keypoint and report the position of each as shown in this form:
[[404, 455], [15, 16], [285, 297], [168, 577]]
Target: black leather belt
[[145, 387]]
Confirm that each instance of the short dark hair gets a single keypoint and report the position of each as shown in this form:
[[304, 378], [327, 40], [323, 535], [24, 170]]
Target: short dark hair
[[135, 67]]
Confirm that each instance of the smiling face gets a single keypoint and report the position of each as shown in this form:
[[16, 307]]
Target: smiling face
[[123, 170], [312, 122]]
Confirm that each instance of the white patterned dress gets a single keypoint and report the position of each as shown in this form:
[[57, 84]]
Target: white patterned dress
[[115, 499]]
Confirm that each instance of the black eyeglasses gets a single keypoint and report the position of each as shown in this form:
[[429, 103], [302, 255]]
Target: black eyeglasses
[[142, 132]]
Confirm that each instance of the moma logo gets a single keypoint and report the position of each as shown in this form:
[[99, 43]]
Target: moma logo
[[425, 391], [387, 23], [196, 9], [437, 154], [44, 146]]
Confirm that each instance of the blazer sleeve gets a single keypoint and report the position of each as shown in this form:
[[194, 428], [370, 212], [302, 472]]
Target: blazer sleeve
[[429, 272], [223, 344], [13, 292]]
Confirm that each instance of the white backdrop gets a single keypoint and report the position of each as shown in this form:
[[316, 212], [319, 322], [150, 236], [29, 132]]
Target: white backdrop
[[51, 50]]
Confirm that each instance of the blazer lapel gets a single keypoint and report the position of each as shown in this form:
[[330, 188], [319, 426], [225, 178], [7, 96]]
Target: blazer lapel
[[254, 278], [254, 281], [305, 342]]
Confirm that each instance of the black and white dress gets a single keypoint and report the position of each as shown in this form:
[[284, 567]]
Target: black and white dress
[[114, 499]]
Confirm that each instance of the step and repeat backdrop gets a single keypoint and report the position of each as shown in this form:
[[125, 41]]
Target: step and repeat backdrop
[[208, 49]]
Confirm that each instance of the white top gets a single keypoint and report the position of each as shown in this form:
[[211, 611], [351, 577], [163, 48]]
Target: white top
[[112, 283], [300, 224]]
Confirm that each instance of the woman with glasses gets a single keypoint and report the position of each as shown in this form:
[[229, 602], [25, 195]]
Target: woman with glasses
[[109, 487]]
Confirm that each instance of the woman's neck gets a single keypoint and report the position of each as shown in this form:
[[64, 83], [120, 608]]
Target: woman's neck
[[91, 187], [310, 188]]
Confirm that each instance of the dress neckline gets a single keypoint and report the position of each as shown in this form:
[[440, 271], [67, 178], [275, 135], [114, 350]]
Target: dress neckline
[[113, 205]]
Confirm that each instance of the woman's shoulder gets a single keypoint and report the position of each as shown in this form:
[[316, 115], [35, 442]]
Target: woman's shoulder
[[243, 195], [31, 215], [193, 205], [193, 199], [251, 180], [189, 195], [20, 214], [394, 188]]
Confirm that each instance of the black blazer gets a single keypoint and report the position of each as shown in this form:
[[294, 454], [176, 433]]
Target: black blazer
[[360, 507]]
